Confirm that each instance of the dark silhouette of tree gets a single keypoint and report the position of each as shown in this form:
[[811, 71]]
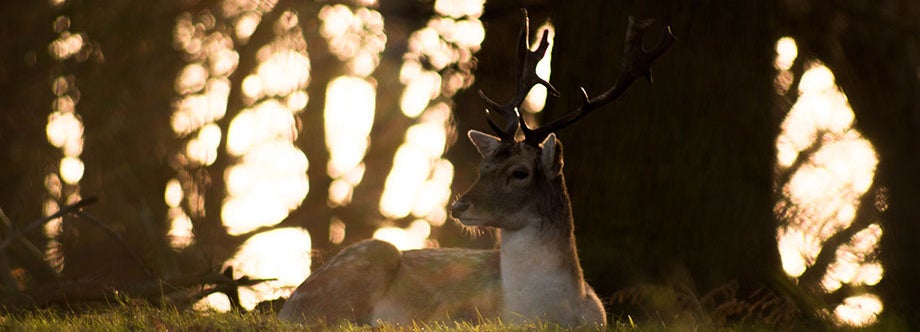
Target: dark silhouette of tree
[[25, 99], [24, 81], [125, 95], [671, 185]]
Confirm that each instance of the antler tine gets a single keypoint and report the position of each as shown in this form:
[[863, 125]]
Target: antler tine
[[636, 63], [526, 76], [511, 121]]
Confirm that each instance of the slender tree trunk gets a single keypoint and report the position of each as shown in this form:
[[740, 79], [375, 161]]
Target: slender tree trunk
[[314, 213], [126, 168], [25, 77]]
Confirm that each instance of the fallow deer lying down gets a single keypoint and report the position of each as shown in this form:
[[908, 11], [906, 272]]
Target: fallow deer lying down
[[535, 276]]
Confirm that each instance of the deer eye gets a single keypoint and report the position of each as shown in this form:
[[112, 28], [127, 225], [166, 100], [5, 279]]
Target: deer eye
[[519, 174]]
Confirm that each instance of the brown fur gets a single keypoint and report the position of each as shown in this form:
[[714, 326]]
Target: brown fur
[[442, 285], [534, 276], [346, 287], [431, 284]]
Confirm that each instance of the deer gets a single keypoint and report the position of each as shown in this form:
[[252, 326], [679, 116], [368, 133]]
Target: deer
[[533, 277]]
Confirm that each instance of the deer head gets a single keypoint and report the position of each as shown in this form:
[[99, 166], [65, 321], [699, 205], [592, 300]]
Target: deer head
[[511, 178], [521, 180]]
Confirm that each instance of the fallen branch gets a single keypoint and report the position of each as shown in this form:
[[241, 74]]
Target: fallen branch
[[26, 253], [16, 234], [179, 291]]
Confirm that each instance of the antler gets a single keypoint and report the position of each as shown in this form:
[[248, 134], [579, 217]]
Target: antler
[[636, 63], [526, 75]]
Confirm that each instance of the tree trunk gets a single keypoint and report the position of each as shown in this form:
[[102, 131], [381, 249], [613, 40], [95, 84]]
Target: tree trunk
[[125, 168], [25, 79], [672, 184]]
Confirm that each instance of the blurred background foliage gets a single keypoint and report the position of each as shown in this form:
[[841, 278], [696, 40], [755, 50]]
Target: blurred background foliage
[[769, 175]]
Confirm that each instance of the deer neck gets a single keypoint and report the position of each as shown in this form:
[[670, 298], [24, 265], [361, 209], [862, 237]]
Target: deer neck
[[541, 276]]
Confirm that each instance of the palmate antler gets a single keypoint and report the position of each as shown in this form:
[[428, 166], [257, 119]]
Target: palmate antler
[[636, 63], [526, 72]]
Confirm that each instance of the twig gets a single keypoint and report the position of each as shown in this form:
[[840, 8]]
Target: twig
[[18, 233], [177, 291], [797, 70], [27, 254], [5, 271], [865, 215], [231, 291], [75, 209], [801, 159]]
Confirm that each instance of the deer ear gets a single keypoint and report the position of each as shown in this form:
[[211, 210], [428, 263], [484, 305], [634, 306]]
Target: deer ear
[[551, 155], [484, 143]]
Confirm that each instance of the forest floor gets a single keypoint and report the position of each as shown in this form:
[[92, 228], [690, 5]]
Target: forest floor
[[129, 318]]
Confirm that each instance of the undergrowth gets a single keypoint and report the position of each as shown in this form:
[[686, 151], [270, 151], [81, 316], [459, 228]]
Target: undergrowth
[[129, 318], [141, 319]]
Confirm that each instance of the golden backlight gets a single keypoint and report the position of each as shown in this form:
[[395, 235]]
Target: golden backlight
[[835, 168], [64, 131], [536, 98], [282, 254], [267, 177], [833, 164], [270, 178], [418, 185], [349, 115], [356, 38]]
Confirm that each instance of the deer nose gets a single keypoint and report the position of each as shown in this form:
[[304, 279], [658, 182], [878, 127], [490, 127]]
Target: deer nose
[[458, 207]]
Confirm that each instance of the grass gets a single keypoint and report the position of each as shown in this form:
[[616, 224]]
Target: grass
[[145, 318], [127, 318]]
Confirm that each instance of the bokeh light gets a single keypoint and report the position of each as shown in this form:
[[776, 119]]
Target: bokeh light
[[356, 36], [270, 178], [282, 254], [786, 53], [859, 310], [437, 64], [413, 237], [419, 182], [267, 175], [64, 131], [349, 115], [834, 167], [269, 181], [536, 98]]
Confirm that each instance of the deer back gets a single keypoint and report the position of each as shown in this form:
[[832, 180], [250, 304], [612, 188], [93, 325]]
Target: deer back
[[372, 281], [443, 285]]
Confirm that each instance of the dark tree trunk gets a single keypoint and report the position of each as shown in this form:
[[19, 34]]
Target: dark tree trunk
[[25, 81], [25, 94], [314, 213], [125, 111], [672, 184]]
